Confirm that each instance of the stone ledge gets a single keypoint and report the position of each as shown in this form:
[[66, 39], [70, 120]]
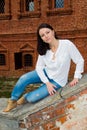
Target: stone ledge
[[23, 110]]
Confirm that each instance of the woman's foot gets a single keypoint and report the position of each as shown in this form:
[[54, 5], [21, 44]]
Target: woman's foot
[[11, 105], [21, 101]]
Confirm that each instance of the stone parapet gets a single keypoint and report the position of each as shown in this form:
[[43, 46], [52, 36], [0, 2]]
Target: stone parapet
[[52, 113]]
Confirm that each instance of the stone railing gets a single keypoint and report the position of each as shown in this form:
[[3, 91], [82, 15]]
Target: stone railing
[[46, 114]]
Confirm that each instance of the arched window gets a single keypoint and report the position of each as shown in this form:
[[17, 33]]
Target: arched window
[[2, 59], [28, 60]]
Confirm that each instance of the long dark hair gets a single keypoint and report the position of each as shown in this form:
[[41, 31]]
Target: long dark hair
[[42, 47]]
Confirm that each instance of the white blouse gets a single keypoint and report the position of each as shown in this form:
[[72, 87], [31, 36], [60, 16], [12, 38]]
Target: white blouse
[[58, 69]]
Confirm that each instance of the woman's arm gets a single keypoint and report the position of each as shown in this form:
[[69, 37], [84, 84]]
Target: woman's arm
[[40, 65], [79, 61]]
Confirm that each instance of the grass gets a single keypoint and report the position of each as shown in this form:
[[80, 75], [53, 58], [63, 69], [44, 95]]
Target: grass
[[7, 84]]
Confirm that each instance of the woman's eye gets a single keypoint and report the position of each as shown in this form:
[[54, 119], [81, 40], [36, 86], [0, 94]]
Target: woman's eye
[[47, 32], [42, 35]]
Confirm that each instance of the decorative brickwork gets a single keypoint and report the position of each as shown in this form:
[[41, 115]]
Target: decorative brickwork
[[18, 28]]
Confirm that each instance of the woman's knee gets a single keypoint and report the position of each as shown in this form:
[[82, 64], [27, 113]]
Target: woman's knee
[[36, 96], [23, 76], [32, 98]]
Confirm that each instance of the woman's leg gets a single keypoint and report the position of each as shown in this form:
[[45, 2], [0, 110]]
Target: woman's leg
[[24, 80], [19, 88], [39, 93]]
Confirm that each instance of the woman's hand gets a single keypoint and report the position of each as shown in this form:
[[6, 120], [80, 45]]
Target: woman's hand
[[51, 88], [74, 82]]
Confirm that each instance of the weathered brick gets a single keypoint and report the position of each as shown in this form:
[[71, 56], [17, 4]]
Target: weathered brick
[[49, 125], [35, 118], [59, 111]]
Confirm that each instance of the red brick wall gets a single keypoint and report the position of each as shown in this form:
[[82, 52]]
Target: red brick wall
[[55, 115], [18, 31]]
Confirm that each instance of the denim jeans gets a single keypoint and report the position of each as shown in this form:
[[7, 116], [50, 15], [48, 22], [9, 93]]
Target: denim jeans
[[35, 95]]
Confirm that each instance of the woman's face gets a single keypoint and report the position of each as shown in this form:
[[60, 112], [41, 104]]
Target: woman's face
[[46, 34]]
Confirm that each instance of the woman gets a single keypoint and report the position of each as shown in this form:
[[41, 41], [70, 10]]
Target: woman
[[52, 68]]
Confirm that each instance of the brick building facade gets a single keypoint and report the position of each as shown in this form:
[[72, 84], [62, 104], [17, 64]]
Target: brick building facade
[[19, 20]]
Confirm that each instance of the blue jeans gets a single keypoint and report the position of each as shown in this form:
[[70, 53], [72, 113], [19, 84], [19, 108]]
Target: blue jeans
[[35, 95]]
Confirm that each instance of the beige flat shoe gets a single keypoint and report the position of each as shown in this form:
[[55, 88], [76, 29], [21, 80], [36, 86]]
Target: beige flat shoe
[[11, 105], [21, 101]]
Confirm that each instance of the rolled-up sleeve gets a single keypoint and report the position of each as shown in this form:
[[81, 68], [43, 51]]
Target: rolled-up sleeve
[[77, 59]]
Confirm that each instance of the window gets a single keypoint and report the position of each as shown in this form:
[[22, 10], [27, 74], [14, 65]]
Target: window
[[18, 60], [60, 7], [30, 8], [2, 59], [29, 5], [23, 60], [28, 60], [2, 6], [59, 3], [5, 9]]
